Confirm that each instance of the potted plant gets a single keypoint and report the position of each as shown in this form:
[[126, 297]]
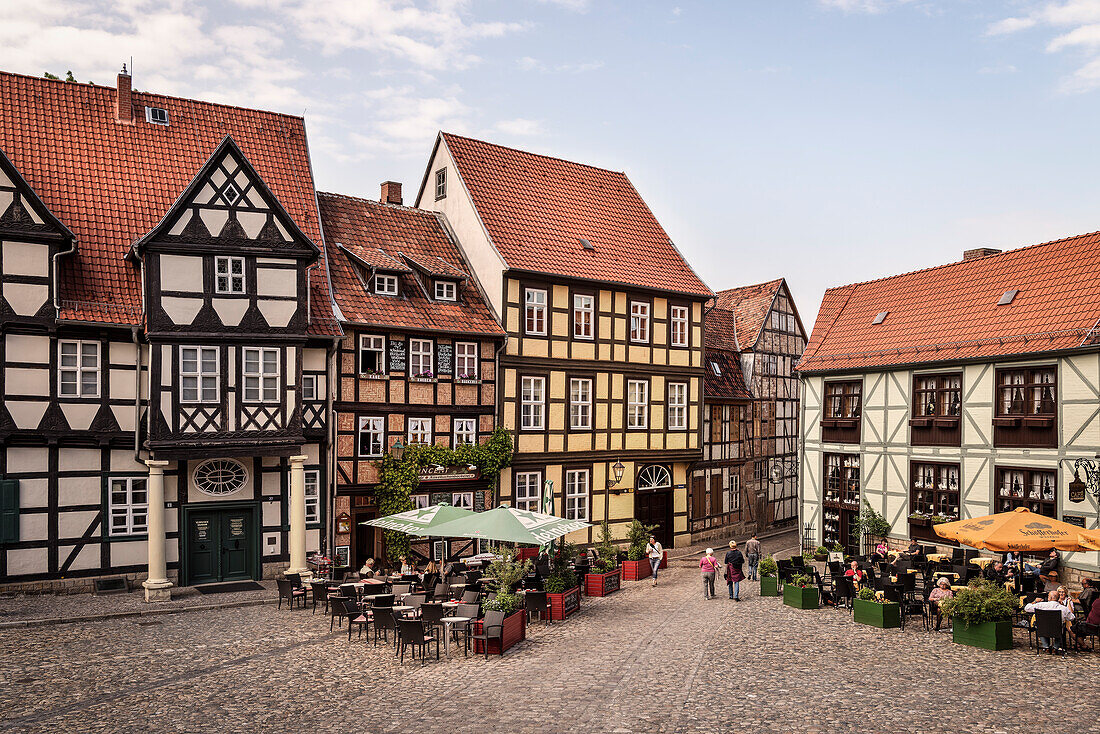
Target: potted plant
[[769, 576], [607, 576], [821, 554], [867, 609], [800, 592], [562, 590], [636, 567], [507, 572], [981, 615]]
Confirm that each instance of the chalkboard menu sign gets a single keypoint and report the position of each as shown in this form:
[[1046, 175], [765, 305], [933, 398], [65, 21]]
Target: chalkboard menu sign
[[397, 355], [1077, 520], [444, 358]]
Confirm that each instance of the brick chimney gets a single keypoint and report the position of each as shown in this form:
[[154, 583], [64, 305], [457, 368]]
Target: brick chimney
[[979, 252], [124, 102], [391, 192]]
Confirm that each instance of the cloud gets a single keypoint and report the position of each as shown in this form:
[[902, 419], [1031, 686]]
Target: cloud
[[577, 6], [1077, 23], [1002, 69], [527, 63], [520, 126], [861, 6], [1009, 25]]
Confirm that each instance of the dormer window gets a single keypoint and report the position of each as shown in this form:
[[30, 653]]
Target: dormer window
[[385, 285], [156, 115], [445, 290]]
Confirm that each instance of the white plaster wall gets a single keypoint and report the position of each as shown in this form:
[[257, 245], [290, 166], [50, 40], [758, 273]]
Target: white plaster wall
[[27, 348], [181, 273], [26, 258]]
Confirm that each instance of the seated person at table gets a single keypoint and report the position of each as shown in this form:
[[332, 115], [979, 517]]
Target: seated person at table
[[1052, 603], [367, 571], [1090, 625], [995, 572], [1088, 595], [407, 566], [938, 594], [855, 574], [1010, 560], [1048, 572], [914, 550]]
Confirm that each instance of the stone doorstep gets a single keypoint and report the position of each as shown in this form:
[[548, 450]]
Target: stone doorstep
[[51, 621]]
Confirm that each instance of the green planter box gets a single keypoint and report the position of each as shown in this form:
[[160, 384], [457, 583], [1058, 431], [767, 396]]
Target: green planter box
[[988, 636], [886, 615], [769, 586], [800, 598]]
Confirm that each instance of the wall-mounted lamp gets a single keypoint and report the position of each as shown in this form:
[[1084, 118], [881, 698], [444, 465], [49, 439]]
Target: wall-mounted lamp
[[397, 450], [617, 472]]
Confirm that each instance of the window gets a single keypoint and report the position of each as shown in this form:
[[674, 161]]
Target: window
[[841, 478], [462, 500], [372, 434], [580, 404], [532, 405], [1030, 488], [735, 492], [78, 369], [677, 405], [128, 506], [372, 355], [156, 115], [309, 387], [716, 422], [199, 374], [535, 313], [420, 501], [583, 307], [420, 358], [576, 494], [385, 285], [313, 496], [639, 322], [529, 491], [261, 375], [937, 396], [637, 404], [1029, 392], [466, 360], [678, 326], [441, 183], [934, 491], [715, 369], [842, 400], [445, 290], [465, 431], [220, 477], [9, 510], [229, 274], [771, 364], [420, 430]]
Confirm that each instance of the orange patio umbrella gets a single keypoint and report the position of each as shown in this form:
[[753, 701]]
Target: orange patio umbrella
[[1020, 531]]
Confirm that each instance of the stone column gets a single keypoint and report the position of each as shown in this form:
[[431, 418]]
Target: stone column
[[298, 516], [157, 586]]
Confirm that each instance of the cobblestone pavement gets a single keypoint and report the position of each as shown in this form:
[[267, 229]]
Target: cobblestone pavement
[[642, 660]]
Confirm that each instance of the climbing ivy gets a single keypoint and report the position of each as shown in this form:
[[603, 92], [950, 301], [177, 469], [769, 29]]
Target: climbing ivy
[[399, 479]]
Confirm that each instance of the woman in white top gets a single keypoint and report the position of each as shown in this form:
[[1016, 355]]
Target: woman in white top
[[656, 554]]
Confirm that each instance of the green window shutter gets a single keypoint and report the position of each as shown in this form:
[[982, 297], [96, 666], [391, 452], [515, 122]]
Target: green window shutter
[[9, 511]]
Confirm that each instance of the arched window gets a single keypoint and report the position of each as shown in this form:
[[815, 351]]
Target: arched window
[[653, 477], [219, 477]]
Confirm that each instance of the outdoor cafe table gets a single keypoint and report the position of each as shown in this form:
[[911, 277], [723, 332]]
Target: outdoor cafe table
[[937, 557], [451, 604], [982, 561], [400, 609], [447, 622]]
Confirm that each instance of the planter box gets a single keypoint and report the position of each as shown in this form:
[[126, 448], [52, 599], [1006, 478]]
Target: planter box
[[637, 570], [886, 615], [820, 557], [769, 586], [988, 636], [564, 604], [602, 584], [515, 631], [524, 554], [799, 597]]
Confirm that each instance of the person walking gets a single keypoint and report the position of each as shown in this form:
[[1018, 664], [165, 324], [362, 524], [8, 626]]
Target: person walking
[[752, 555], [656, 554], [709, 566], [734, 576]]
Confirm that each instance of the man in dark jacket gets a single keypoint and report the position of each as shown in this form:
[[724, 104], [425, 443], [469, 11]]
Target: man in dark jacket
[[734, 561]]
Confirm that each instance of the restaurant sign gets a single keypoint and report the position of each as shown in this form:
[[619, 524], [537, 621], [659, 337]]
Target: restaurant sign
[[1077, 493], [1078, 520], [571, 601], [611, 582], [437, 473]]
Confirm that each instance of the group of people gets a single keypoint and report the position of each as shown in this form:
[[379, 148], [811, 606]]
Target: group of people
[[734, 562], [1060, 600]]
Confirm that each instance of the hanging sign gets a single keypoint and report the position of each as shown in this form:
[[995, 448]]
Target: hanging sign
[[343, 523], [1076, 493]]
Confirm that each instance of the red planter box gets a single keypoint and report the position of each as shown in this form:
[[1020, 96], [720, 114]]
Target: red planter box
[[602, 584], [564, 604], [515, 631], [524, 553], [641, 570]]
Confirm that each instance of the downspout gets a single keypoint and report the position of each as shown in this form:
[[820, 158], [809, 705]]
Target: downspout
[[137, 394], [498, 407], [330, 425]]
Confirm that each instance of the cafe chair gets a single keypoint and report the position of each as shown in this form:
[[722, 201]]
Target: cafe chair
[[470, 596], [399, 589], [384, 621], [342, 609], [320, 594], [291, 594], [431, 615], [362, 618], [843, 592], [492, 628], [413, 635], [295, 579], [382, 600], [1048, 624], [798, 562], [537, 601]]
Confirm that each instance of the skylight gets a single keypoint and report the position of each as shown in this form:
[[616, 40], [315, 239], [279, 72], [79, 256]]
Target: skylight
[[586, 244], [716, 369], [156, 115], [880, 317], [1007, 298]]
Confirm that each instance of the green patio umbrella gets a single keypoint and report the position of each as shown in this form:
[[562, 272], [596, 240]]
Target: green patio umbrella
[[510, 525], [422, 521]]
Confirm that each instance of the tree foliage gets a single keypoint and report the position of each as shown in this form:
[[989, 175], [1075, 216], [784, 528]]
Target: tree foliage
[[981, 602], [638, 535]]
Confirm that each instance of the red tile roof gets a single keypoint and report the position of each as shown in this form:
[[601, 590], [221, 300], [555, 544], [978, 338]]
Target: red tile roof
[[537, 209], [434, 266], [749, 306], [730, 385], [950, 312], [372, 257], [111, 183], [394, 231]]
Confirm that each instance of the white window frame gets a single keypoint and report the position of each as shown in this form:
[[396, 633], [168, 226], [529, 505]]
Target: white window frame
[[420, 501], [420, 431], [532, 406], [577, 494], [254, 384], [128, 510], [441, 184], [385, 284], [534, 311], [527, 481], [309, 388], [374, 428], [464, 431], [580, 403], [639, 322], [466, 360], [677, 406], [313, 496], [78, 369], [462, 500], [446, 290], [715, 369], [418, 353], [223, 268], [637, 404], [372, 343], [678, 326], [584, 306], [153, 118], [199, 375]]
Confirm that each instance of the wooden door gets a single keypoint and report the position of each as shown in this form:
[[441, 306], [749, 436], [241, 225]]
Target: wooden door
[[236, 544], [655, 508], [203, 545]]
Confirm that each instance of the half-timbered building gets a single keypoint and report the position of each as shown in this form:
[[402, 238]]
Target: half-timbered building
[[166, 332], [601, 375], [955, 392], [417, 363]]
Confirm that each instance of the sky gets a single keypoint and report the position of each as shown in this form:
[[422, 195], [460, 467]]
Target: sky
[[825, 141]]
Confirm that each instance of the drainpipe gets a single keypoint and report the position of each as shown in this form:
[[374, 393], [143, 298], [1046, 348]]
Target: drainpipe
[[499, 406], [137, 394], [332, 369]]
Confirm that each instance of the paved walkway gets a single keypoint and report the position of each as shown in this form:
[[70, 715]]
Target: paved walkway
[[642, 660]]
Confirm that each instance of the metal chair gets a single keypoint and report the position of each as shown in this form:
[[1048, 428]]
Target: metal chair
[[320, 594], [1049, 625], [537, 601], [470, 596], [492, 628], [413, 635], [288, 592]]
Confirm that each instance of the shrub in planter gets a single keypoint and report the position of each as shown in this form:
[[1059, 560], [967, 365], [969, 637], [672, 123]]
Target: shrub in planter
[[561, 587], [636, 566], [870, 611], [799, 593], [821, 554], [981, 615], [769, 576], [607, 555]]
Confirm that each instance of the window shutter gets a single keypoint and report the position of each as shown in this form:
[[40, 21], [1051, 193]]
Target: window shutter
[[9, 511]]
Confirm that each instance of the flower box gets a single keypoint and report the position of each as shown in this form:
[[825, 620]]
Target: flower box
[[988, 636], [769, 586], [922, 521], [640, 570], [885, 615], [564, 604], [602, 584], [524, 554], [800, 597], [515, 631]]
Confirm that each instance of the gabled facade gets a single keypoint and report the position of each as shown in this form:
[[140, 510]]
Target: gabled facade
[[955, 392], [603, 363]]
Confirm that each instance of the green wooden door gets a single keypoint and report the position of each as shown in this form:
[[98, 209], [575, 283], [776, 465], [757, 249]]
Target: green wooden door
[[202, 548], [236, 544]]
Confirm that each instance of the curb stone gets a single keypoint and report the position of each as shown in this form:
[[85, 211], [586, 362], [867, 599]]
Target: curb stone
[[52, 621]]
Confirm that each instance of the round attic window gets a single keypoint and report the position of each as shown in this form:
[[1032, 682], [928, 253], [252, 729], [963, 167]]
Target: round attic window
[[219, 477]]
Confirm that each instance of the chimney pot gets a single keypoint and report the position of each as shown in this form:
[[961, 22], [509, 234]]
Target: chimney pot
[[391, 192], [124, 102]]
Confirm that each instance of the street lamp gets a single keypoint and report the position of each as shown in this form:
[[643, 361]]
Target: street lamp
[[397, 450], [617, 473]]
